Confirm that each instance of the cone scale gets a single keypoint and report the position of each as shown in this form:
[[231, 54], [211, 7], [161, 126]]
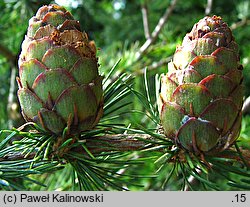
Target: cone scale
[[59, 83], [201, 95]]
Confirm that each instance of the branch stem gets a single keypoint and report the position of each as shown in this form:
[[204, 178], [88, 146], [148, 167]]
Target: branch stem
[[243, 22], [157, 30], [12, 105], [98, 144], [246, 106], [209, 7], [144, 10], [154, 66], [117, 142]]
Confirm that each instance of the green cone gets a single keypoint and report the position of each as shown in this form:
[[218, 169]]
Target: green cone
[[59, 83], [201, 95]]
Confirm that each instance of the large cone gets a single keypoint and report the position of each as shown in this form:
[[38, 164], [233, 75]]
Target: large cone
[[201, 95], [59, 84]]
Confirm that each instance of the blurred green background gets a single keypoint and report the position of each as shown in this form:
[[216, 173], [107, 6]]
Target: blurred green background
[[117, 28]]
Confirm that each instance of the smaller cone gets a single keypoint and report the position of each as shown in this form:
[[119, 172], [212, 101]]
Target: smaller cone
[[201, 95]]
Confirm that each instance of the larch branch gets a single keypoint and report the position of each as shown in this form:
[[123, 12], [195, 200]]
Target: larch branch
[[243, 22], [99, 144], [246, 106], [12, 105], [154, 65], [157, 30], [209, 7], [144, 10], [117, 142]]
